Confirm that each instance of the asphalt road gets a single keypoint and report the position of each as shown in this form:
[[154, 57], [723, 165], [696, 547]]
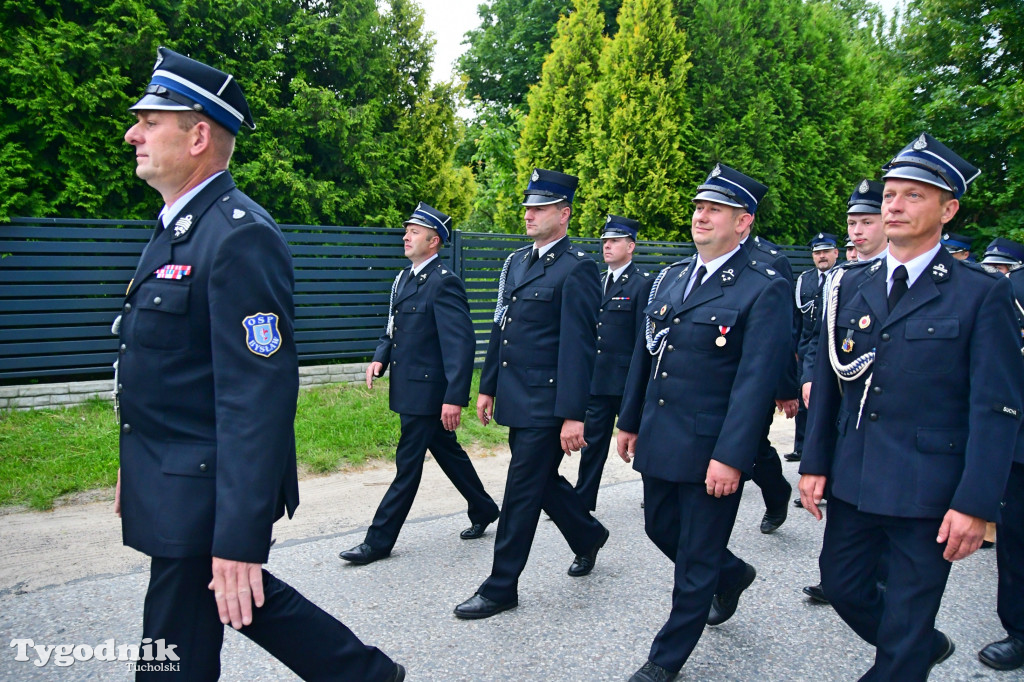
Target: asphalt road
[[594, 628]]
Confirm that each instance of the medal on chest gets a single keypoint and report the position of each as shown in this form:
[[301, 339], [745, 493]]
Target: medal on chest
[[720, 341]]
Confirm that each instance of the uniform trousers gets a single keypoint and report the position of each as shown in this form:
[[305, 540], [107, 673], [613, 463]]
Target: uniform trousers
[[419, 434], [899, 623], [767, 472], [1009, 553], [181, 610], [801, 427], [533, 484], [597, 431], [692, 529]]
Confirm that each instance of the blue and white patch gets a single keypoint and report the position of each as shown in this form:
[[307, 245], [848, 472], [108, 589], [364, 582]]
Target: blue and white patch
[[261, 334]]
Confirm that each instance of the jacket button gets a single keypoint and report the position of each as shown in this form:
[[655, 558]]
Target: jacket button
[[514, 299], [675, 321], [535, 294], [600, 310], [126, 428], [120, 388], [598, 324], [714, 317], [127, 308], [599, 338], [551, 381], [507, 320], [873, 416], [414, 308], [664, 375], [123, 348], [504, 364], [202, 467], [157, 300], [661, 401], [952, 446], [671, 348], [504, 342], [598, 351], [886, 337], [426, 376], [876, 390], [931, 330]]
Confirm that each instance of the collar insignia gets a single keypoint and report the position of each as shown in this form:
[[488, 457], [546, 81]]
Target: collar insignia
[[877, 264], [237, 213], [444, 272], [939, 270], [769, 271], [182, 225]]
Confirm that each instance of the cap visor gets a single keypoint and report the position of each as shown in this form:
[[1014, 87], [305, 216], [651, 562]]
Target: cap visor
[[917, 174], [999, 260], [155, 103], [616, 235], [864, 208], [717, 198], [541, 200], [823, 247]]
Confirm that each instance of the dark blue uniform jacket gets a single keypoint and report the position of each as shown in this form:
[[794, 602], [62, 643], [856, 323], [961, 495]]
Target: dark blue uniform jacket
[[619, 322]]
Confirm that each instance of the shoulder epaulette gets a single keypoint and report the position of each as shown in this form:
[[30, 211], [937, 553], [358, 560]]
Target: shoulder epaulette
[[763, 268]]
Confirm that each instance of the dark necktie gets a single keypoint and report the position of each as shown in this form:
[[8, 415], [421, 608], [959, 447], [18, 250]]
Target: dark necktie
[[534, 255], [899, 286], [697, 280], [608, 283]]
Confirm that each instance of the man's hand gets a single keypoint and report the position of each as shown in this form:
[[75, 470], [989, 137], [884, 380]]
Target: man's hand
[[374, 370], [963, 532], [484, 408], [117, 494], [721, 479], [805, 391], [572, 436], [627, 446], [450, 416], [812, 492], [236, 586], [788, 406]]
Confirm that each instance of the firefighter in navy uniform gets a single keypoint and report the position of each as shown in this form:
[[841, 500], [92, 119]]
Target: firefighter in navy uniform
[[825, 252], [958, 245], [536, 380], [717, 338], [207, 384], [619, 324], [429, 347], [914, 417]]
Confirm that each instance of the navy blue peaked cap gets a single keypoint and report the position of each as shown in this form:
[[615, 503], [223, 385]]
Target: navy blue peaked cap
[[616, 226], [549, 187], [1003, 252], [956, 242], [728, 186], [182, 84], [928, 160], [428, 216], [867, 198], [823, 241]]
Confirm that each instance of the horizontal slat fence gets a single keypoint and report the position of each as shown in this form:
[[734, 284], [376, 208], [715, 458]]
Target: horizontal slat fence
[[62, 283]]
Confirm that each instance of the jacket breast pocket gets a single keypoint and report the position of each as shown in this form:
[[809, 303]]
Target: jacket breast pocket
[[426, 373], [852, 334], [618, 313], [707, 327], [535, 302], [163, 321], [928, 344]]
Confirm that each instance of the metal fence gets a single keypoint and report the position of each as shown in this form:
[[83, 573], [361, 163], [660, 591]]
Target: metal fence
[[62, 283]]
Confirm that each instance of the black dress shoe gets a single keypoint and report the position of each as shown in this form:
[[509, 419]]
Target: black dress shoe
[[987, 544], [723, 605], [584, 563], [793, 456], [773, 519], [364, 554], [1006, 654], [944, 648], [474, 531], [798, 504], [399, 674], [479, 606], [816, 593], [651, 672]]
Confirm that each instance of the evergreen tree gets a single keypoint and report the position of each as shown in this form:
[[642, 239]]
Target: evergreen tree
[[496, 204], [557, 128], [638, 164]]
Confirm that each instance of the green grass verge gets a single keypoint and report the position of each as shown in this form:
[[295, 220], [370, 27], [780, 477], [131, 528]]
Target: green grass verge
[[48, 453]]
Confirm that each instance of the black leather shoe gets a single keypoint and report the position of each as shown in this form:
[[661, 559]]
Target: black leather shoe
[[1006, 654], [651, 672], [944, 648], [584, 563], [793, 456], [399, 674], [816, 593], [987, 544], [474, 531], [723, 606], [479, 606], [364, 554], [798, 504], [773, 519]]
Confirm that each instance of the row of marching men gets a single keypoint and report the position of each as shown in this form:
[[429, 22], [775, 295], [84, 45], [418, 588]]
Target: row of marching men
[[912, 424]]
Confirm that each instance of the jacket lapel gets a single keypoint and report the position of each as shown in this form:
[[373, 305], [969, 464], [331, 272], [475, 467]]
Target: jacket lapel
[[925, 288], [528, 274]]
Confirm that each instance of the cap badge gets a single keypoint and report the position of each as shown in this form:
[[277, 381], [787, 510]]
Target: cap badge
[[821, 236], [159, 60], [182, 225], [946, 236], [864, 322], [237, 213], [921, 143], [716, 171], [535, 177], [864, 187], [607, 220]]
